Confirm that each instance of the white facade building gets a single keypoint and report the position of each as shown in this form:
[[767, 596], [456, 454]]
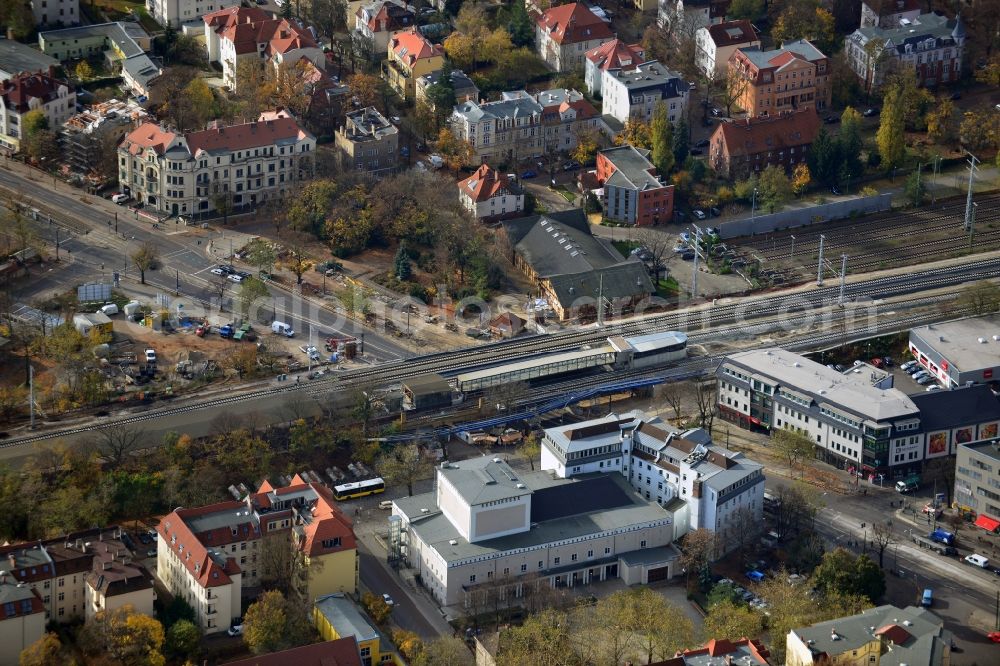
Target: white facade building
[[28, 92], [487, 525], [56, 12], [487, 193], [186, 174], [715, 43], [633, 94], [701, 485], [176, 12]]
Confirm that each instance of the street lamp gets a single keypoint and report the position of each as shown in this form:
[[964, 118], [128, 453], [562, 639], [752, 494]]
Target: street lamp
[[753, 210]]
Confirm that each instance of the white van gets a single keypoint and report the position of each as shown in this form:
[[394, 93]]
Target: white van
[[977, 560], [109, 309], [385, 504], [281, 328]]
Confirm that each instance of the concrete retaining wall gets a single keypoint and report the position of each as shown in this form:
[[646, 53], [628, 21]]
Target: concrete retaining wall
[[802, 217]]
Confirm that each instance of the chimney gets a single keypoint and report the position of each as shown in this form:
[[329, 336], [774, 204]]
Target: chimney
[[13, 561]]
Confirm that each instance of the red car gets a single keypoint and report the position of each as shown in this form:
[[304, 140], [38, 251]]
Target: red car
[[994, 636]]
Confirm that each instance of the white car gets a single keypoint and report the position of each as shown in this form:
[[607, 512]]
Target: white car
[[237, 277], [236, 629], [388, 600], [150, 356], [119, 197]]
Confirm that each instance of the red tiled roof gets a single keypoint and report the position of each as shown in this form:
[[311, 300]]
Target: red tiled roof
[[247, 135], [18, 92], [248, 28], [584, 109], [784, 58], [723, 34], [341, 652], [572, 23], [149, 135], [389, 16], [233, 15], [616, 54], [484, 184], [410, 46], [753, 135], [895, 633]]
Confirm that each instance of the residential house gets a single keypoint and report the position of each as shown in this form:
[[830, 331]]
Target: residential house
[[745, 652], [210, 554], [26, 92], [855, 424], [23, 622], [337, 617], [930, 45], [123, 46], [897, 635], [793, 77], [368, 142], [977, 478], [338, 652], [715, 44], [239, 34], [185, 174], [410, 56], [684, 17], [747, 146], [888, 14], [177, 12], [488, 194], [486, 527], [520, 125], [701, 485], [571, 268], [633, 193], [565, 33], [633, 94], [462, 85], [506, 325], [80, 573], [614, 54], [378, 21], [16, 57], [55, 12]]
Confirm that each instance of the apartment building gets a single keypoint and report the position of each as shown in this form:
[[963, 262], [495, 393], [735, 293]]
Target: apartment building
[[715, 44], [55, 12], [977, 482], [178, 12], [931, 45], [739, 148], [375, 23], [520, 125], [410, 56], [368, 142], [209, 555], [888, 14], [721, 651], [634, 93], [633, 192], [488, 194], [81, 573], [564, 34], [793, 77], [487, 527], [26, 92], [908, 635], [614, 54], [84, 134], [23, 621], [123, 45], [464, 88], [338, 618], [239, 34], [186, 174], [854, 423], [687, 16], [699, 484]]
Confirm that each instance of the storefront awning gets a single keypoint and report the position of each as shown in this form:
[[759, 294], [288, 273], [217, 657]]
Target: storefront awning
[[987, 523]]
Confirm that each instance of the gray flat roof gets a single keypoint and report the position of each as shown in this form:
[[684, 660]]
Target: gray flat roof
[[437, 531], [427, 384], [850, 392], [989, 448], [654, 341], [483, 479], [648, 556], [345, 617], [16, 57], [536, 362], [958, 341]]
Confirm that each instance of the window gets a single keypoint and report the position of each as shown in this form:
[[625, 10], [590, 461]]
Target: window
[[573, 557], [555, 560], [472, 578], [524, 567], [642, 544]]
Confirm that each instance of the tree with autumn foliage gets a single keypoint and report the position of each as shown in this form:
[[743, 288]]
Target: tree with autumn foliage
[[800, 178], [635, 133], [129, 637], [456, 152], [805, 19], [365, 88]]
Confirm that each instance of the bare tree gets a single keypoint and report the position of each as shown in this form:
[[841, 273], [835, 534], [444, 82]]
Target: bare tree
[[673, 394], [116, 443], [697, 550], [219, 285], [505, 396], [145, 259], [705, 400], [882, 538], [281, 565], [737, 82], [659, 246], [404, 464]]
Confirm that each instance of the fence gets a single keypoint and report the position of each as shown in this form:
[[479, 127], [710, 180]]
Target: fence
[[803, 217]]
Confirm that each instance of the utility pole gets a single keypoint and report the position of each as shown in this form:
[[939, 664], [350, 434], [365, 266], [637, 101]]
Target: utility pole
[[753, 210], [793, 248], [843, 277], [968, 199], [819, 269], [177, 282], [600, 301], [694, 266], [31, 396], [972, 224], [57, 243]]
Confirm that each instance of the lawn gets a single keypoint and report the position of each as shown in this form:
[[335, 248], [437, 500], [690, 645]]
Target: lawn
[[567, 195], [625, 247], [667, 287]]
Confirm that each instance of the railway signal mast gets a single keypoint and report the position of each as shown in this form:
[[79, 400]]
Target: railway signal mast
[[969, 214]]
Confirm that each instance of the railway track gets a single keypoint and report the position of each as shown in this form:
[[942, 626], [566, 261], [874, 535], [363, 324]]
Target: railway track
[[494, 354]]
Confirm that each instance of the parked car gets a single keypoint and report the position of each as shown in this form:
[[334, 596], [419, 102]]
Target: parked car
[[388, 600], [237, 629], [907, 365], [685, 236], [572, 165], [222, 269], [119, 197], [150, 356], [715, 211], [699, 213], [527, 175], [868, 113], [701, 144], [151, 552], [238, 276]]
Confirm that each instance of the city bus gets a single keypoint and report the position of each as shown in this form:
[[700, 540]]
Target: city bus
[[346, 491]]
